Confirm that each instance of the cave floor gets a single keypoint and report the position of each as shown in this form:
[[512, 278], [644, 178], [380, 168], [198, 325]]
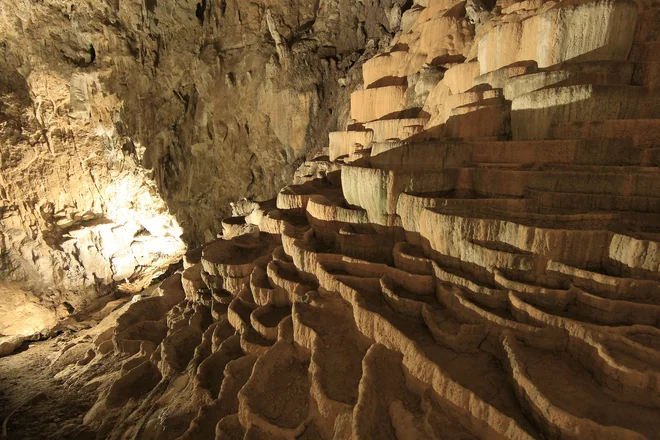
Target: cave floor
[[44, 407]]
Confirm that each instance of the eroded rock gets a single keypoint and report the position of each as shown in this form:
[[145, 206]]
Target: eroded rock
[[476, 258]]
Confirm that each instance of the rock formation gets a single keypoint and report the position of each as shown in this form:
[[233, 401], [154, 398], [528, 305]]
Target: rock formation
[[128, 123], [476, 255]]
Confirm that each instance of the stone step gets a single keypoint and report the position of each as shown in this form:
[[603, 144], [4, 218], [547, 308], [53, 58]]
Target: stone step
[[644, 133], [443, 154], [545, 37], [587, 169], [596, 72], [331, 335], [562, 414], [377, 191], [343, 143], [391, 68], [348, 143], [534, 114], [280, 366], [513, 183], [525, 213], [475, 120], [602, 71], [373, 104], [400, 129], [552, 201], [410, 207], [296, 196], [460, 78], [478, 95], [431, 36], [497, 79], [598, 282], [476, 106], [476, 242], [265, 320]]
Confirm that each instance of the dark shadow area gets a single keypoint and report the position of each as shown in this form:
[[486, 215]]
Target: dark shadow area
[[200, 11], [389, 81]]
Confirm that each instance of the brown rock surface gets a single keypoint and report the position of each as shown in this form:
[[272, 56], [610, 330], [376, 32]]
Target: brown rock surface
[[117, 120], [493, 272]]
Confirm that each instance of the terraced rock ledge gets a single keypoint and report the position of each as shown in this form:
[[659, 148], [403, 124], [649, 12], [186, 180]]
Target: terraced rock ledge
[[476, 256]]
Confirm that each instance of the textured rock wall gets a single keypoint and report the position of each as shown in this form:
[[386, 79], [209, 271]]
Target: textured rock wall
[[227, 97], [79, 215], [477, 255], [126, 123]]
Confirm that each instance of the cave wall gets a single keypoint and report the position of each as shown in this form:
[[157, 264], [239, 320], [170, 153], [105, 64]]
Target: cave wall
[[232, 95], [126, 124], [79, 216]]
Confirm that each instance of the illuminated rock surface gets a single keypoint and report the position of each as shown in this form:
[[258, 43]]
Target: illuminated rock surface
[[476, 256], [117, 136]]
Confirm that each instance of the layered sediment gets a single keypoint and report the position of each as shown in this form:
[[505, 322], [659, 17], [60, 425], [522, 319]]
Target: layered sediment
[[476, 256]]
